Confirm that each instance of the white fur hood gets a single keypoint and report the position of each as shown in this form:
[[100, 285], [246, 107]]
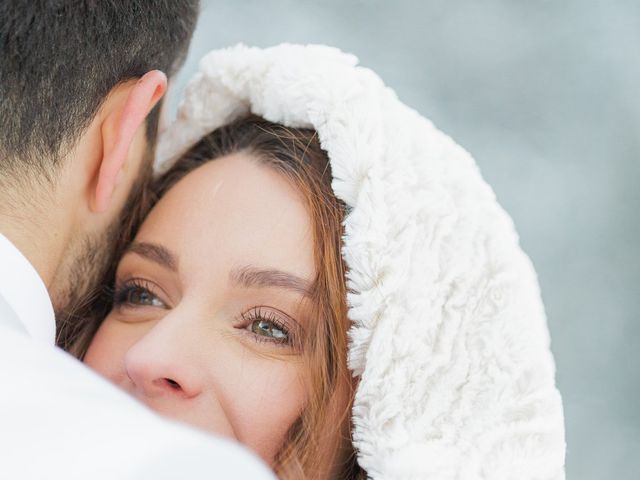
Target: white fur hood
[[449, 335]]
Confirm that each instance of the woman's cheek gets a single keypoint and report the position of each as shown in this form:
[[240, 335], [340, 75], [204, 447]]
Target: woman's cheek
[[265, 403], [108, 348]]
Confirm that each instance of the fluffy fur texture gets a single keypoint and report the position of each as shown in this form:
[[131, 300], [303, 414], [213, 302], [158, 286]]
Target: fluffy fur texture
[[449, 334]]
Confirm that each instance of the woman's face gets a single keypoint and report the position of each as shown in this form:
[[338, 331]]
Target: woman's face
[[210, 304]]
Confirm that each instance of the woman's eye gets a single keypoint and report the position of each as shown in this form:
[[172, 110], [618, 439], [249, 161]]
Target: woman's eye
[[266, 328], [142, 296], [265, 325], [136, 295]]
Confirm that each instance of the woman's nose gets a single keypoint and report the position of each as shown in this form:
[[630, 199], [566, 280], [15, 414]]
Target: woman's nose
[[157, 367]]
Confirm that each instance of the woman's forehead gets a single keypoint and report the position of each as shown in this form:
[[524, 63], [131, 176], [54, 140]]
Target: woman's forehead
[[234, 211]]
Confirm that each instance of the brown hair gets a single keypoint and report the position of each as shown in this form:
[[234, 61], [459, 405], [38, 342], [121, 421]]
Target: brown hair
[[59, 61], [315, 447], [296, 154]]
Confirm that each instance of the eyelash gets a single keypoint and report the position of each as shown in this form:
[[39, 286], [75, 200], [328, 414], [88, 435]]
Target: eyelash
[[258, 314], [123, 290]]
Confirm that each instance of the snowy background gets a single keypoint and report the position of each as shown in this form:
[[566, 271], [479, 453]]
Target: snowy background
[[545, 95]]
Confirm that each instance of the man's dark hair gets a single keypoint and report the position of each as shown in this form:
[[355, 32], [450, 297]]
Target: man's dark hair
[[60, 58]]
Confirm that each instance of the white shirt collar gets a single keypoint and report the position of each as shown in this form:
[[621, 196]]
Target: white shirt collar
[[25, 292]]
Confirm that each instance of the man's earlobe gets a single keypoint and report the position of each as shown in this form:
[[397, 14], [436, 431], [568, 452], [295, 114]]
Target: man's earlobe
[[141, 99]]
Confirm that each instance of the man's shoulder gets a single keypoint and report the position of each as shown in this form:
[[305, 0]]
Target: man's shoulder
[[9, 318], [61, 420]]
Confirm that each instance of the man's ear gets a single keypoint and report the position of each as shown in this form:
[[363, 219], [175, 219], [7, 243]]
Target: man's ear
[[126, 118]]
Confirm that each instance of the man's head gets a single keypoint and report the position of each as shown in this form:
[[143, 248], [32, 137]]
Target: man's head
[[80, 87]]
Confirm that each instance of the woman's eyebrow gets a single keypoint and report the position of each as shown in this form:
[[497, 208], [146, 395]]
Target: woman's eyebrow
[[249, 276], [156, 253]]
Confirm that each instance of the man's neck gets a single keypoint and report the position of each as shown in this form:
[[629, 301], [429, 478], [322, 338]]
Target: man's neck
[[32, 230]]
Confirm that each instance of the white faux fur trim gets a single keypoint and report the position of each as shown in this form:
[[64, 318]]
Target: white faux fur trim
[[449, 334]]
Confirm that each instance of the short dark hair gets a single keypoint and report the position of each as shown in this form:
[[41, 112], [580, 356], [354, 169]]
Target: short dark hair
[[60, 58]]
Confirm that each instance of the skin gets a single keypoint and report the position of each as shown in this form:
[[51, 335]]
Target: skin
[[59, 225], [199, 332]]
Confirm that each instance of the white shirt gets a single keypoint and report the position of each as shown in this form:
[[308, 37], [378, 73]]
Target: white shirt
[[59, 420], [25, 292]]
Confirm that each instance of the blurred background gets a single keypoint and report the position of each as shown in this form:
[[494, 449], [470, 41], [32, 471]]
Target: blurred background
[[544, 94]]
